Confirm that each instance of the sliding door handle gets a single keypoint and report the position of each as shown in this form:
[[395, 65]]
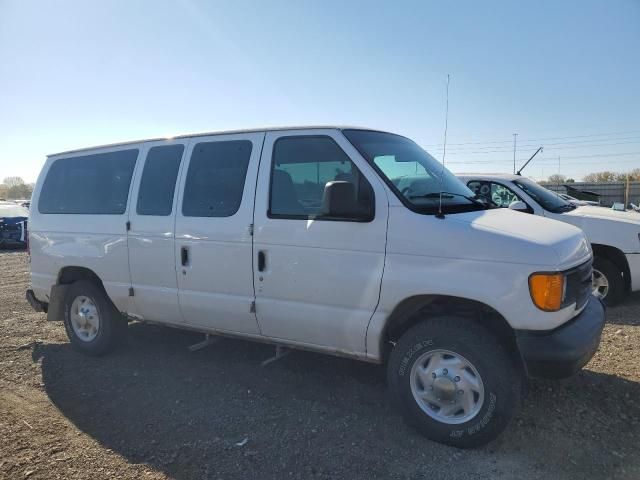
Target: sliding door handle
[[184, 256], [262, 261]]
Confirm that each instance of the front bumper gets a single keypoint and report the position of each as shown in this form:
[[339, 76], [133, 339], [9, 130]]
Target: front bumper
[[561, 352]]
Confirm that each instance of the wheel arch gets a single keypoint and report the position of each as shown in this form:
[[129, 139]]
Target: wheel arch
[[65, 278], [417, 308], [617, 257]]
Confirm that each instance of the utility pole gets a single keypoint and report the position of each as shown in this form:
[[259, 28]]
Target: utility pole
[[626, 193], [515, 135]]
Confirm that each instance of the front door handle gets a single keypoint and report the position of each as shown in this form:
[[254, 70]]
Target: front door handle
[[262, 261], [184, 256]]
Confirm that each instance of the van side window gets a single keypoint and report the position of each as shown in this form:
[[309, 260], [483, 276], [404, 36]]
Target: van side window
[[215, 179], [95, 184], [301, 169], [158, 183]]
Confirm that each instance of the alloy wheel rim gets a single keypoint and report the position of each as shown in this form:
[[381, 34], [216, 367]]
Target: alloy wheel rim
[[85, 318], [599, 283], [447, 387]]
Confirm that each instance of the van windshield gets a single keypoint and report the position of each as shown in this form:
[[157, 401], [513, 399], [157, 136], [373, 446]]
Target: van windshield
[[549, 200], [413, 174]]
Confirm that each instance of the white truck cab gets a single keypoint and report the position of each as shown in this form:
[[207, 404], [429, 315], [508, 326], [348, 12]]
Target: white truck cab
[[331, 239], [614, 235]]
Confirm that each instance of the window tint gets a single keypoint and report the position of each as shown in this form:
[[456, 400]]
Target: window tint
[[302, 167], [90, 184], [158, 183], [215, 179]]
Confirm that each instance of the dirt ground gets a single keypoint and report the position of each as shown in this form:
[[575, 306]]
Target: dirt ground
[[154, 410]]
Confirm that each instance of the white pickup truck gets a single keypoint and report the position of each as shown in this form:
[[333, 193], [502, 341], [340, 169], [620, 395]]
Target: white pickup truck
[[329, 239], [614, 235]]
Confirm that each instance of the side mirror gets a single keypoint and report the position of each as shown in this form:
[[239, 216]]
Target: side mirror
[[339, 201], [519, 206]]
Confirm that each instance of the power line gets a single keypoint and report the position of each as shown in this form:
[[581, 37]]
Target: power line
[[578, 144], [550, 147], [542, 138], [575, 157]]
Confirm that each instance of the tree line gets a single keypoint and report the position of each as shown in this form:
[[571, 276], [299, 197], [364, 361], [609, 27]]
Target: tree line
[[14, 188], [598, 177]]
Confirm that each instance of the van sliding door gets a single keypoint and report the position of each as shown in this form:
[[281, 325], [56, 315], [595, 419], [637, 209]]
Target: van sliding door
[[213, 234]]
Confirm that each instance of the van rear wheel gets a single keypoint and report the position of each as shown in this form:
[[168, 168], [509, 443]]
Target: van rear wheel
[[454, 382], [92, 323]]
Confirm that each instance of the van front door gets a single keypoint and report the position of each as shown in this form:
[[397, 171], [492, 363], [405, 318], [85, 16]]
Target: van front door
[[213, 236], [318, 260]]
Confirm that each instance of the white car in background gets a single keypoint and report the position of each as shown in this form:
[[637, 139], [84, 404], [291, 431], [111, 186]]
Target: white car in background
[[614, 235]]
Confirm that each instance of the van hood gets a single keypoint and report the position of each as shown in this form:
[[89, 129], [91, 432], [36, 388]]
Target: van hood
[[537, 240], [491, 236], [605, 226]]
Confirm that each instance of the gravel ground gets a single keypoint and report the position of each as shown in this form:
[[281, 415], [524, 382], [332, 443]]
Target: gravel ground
[[154, 410]]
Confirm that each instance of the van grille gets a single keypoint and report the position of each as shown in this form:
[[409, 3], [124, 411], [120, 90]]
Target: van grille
[[579, 285]]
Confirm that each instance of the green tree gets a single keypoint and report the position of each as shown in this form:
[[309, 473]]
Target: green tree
[[3, 191]]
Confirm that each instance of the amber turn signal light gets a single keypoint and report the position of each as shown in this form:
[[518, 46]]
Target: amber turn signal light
[[547, 290]]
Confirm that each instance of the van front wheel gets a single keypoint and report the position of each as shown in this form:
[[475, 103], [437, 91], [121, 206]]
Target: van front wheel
[[607, 281], [454, 382], [92, 323]]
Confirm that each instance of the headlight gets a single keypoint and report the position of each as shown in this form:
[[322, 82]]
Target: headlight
[[547, 290]]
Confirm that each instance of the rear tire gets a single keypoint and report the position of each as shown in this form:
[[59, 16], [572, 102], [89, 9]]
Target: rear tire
[[93, 324], [467, 404], [608, 272]]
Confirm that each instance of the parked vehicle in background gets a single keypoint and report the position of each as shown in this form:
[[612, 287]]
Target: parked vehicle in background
[[23, 203], [329, 239], [579, 203], [614, 235], [13, 225]]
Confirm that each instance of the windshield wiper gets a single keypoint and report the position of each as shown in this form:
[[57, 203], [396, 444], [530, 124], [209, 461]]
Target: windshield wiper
[[451, 195]]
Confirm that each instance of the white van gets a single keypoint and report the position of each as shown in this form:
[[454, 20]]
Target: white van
[[311, 238], [614, 236]]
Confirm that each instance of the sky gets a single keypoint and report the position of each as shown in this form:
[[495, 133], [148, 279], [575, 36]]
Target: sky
[[561, 74]]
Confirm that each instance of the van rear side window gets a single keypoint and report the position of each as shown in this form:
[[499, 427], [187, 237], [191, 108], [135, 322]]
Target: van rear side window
[[215, 179], [95, 184], [158, 182]]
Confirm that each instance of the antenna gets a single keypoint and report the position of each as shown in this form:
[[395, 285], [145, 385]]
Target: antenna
[[444, 150], [527, 162], [515, 136]]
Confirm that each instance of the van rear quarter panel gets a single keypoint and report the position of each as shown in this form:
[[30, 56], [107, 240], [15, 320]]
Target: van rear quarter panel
[[96, 242]]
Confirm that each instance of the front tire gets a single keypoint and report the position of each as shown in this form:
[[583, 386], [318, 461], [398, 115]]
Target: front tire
[[608, 282], [93, 324], [454, 382]]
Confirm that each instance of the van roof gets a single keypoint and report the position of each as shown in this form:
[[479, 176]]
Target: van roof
[[220, 132]]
